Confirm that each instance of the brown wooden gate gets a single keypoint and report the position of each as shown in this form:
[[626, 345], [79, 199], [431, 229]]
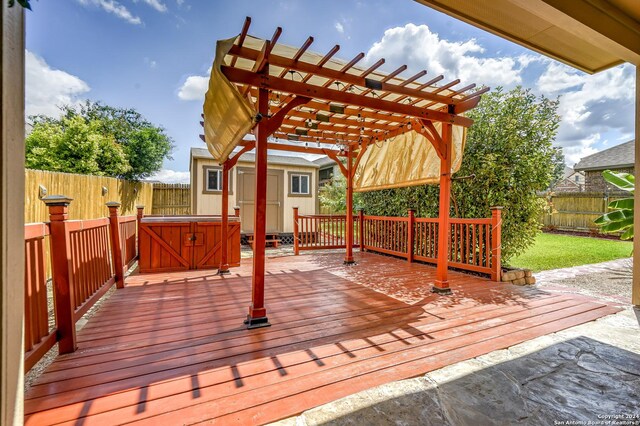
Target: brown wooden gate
[[182, 243]]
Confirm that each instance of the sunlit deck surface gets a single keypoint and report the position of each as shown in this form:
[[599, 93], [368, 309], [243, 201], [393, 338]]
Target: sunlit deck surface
[[171, 349]]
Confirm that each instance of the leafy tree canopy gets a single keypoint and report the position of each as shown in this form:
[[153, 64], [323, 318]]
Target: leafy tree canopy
[[97, 139], [509, 151]]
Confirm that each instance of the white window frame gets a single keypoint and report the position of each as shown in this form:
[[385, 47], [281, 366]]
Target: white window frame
[[300, 176], [208, 188]]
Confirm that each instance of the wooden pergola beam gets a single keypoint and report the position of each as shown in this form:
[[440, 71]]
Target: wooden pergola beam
[[268, 82], [343, 76]]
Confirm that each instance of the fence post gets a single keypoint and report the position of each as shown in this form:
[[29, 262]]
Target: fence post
[[412, 215], [116, 247], [296, 247], [496, 242], [140, 215], [64, 304], [236, 211], [361, 225]]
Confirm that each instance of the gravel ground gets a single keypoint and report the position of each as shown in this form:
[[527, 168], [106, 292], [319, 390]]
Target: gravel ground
[[607, 280]]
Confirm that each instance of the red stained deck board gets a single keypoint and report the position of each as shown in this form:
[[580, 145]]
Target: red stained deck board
[[170, 347]]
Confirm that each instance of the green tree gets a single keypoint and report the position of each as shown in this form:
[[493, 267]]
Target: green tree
[[509, 150], [333, 195], [75, 146], [136, 149]]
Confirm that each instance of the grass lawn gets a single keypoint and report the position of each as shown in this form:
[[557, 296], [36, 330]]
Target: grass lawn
[[552, 251]]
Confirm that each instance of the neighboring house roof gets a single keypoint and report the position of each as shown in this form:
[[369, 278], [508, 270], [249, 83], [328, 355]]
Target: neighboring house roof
[[324, 162], [616, 157], [283, 160]]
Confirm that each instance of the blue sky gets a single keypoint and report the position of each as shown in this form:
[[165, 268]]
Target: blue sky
[[153, 55]]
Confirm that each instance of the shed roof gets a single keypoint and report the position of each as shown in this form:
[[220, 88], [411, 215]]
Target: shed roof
[[249, 157], [324, 162], [616, 157]]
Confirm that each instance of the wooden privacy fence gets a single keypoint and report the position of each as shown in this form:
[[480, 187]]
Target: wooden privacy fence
[[575, 211], [171, 199], [474, 244], [94, 191], [86, 258]]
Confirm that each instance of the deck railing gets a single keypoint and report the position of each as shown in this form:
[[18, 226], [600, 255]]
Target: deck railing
[[39, 334], [78, 261], [322, 231], [474, 244]]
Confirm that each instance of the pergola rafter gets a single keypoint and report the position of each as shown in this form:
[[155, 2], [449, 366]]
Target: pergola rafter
[[315, 101]]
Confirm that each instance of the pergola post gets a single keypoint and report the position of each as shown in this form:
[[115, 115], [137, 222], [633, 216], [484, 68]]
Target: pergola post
[[224, 261], [441, 284], [348, 258], [257, 316], [635, 287]]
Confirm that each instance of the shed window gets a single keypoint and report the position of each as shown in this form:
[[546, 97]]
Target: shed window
[[299, 184], [214, 180]]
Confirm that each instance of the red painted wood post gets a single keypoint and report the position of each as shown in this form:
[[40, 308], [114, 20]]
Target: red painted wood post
[[348, 258], [296, 232], [61, 272], [496, 243], [116, 247], [441, 284], [140, 215], [361, 226], [257, 316], [224, 246], [411, 215]]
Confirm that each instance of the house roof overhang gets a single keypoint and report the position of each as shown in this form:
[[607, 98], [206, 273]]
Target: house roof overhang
[[591, 35]]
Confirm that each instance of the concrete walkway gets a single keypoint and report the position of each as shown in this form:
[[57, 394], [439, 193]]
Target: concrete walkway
[[588, 373]]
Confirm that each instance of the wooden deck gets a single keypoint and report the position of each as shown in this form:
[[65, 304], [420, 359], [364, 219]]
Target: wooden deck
[[171, 349]]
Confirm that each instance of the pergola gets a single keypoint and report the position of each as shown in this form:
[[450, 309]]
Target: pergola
[[382, 130]]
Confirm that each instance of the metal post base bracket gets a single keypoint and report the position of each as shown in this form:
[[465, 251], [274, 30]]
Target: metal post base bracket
[[256, 322], [349, 262], [439, 290], [223, 272]]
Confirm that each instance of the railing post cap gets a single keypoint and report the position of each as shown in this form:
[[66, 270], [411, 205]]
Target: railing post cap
[[412, 209], [140, 206], [359, 209], [496, 208], [295, 207], [57, 200], [113, 204], [236, 207]]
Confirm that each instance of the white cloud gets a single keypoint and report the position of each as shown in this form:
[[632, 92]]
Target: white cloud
[[339, 27], [591, 106], [194, 87], [47, 88], [115, 8], [150, 62], [419, 48], [157, 5], [171, 176]]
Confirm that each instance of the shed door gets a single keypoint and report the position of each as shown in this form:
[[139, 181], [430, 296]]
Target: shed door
[[275, 199]]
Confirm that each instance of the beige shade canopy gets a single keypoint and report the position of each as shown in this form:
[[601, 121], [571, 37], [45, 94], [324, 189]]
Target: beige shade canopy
[[390, 123]]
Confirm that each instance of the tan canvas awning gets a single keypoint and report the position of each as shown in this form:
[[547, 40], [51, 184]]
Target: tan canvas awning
[[392, 124]]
